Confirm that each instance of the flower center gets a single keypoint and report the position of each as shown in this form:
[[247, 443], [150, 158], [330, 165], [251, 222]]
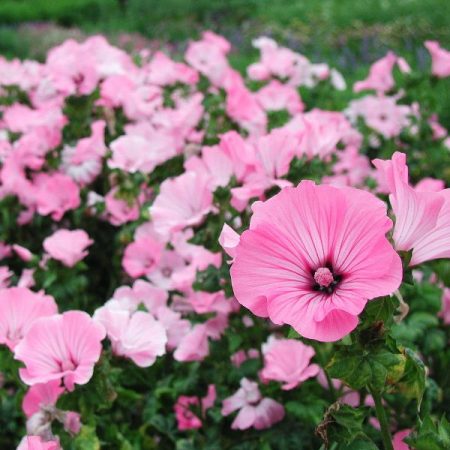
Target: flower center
[[326, 280], [323, 277], [67, 365]]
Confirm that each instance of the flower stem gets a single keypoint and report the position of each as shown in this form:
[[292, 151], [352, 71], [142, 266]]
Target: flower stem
[[381, 415]]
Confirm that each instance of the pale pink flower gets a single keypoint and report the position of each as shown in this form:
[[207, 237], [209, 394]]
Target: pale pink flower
[[118, 210], [142, 292], [182, 202], [68, 246], [214, 163], [422, 218], [194, 345], [134, 153], [381, 114], [23, 253], [83, 163], [277, 96], [380, 76], [254, 411], [312, 258], [55, 194], [208, 56], [163, 71], [137, 336], [20, 308], [229, 240], [41, 395], [288, 361], [440, 59], [176, 327], [243, 107], [65, 346], [37, 443], [141, 256], [319, 132]]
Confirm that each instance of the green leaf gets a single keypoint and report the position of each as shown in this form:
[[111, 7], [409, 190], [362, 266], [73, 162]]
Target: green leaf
[[358, 369], [412, 383], [431, 435], [86, 439]]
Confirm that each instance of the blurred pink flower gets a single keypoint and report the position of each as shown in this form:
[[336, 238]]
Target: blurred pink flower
[[288, 361], [137, 336], [19, 309], [65, 346], [68, 246], [254, 411], [440, 59]]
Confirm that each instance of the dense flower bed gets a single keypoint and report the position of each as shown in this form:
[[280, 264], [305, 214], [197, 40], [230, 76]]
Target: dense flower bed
[[195, 258]]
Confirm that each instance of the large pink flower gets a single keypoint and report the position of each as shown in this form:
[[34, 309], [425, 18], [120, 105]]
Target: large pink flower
[[19, 308], [68, 246], [312, 258], [288, 361], [65, 346]]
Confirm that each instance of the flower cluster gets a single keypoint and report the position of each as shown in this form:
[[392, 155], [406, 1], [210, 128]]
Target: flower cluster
[[162, 220]]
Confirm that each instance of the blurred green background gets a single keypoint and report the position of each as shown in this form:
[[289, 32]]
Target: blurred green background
[[345, 33]]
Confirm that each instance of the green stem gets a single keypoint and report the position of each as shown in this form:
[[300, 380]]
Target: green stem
[[381, 415], [322, 360]]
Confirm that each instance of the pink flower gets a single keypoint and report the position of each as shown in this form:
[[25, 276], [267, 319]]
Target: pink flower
[[445, 311], [254, 411], [68, 246], [55, 194], [208, 56], [194, 345], [312, 258], [288, 361], [229, 240], [83, 163], [182, 202], [276, 96], [397, 441], [141, 256], [381, 113], [133, 153], [176, 327], [186, 418], [23, 253], [119, 210], [440, 59], [422, 218], [37, 443], [380, 76], [243, 107], [137, 336], [65, 346], [19, 309], [41, 394]]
